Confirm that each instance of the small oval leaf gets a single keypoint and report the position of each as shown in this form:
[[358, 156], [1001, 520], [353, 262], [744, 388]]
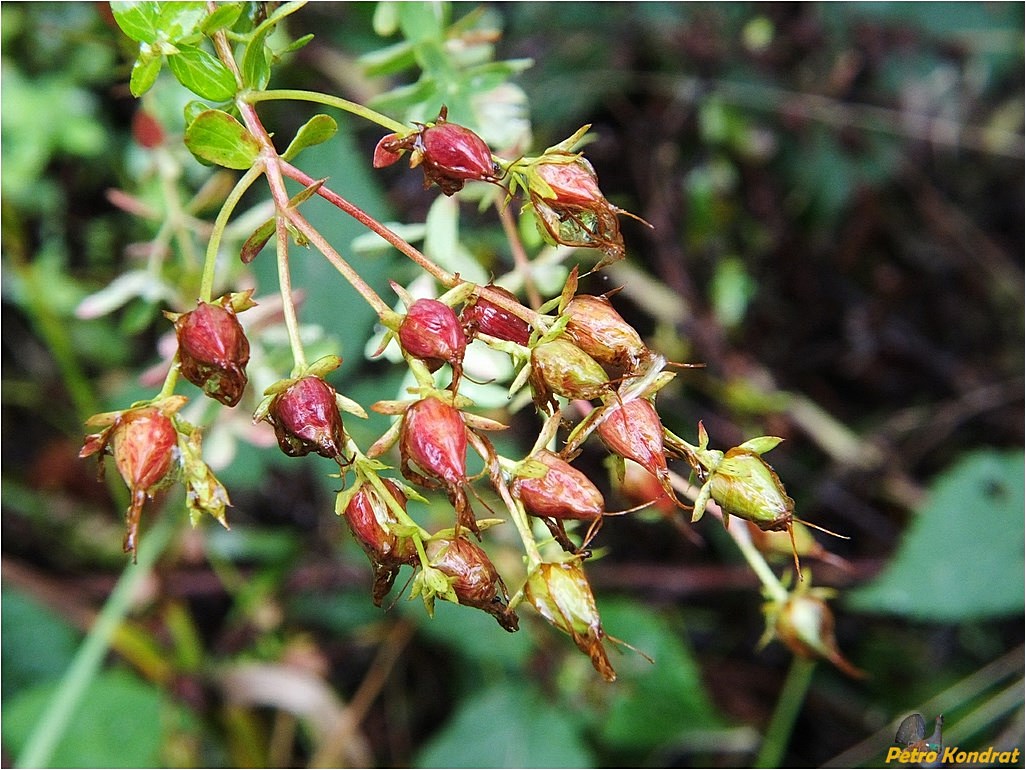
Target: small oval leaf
[[217, 137], [138, 20], [255, 243], [224, 16], [202, 74], [320, 128], [144, 75]]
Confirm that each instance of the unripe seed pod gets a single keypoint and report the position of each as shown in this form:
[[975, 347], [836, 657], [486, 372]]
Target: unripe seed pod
[[432, 332], [213, 351], [306, 419], [573, 183], [561, 594], [806, 625], [744, 485], [601, 332], [560, 367], [475, 580], [562, 493], [484, 316]]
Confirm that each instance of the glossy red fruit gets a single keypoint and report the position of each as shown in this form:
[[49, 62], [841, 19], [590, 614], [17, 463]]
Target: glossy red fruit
[[432, 332], [453, 154], [371, 521], [481, 315], [306, 419], [213, 351], [633, 430], [562, 493]]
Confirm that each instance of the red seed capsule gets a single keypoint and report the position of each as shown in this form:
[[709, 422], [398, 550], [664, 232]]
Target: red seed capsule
[[633, 430], [370, 519], [562, 493], [474, 578], [484, 316], [598, 330], [385, 152], [306, 419], [432, 332], [452, 155], [213, 351], [573, 183], [144, 443]]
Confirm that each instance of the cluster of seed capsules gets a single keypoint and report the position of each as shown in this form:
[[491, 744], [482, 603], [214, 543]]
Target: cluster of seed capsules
[[577, 348]]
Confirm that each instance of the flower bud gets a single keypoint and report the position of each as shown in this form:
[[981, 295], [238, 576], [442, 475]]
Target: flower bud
[[144, 443], [484, 316], [563, 492], [561, 594], [306, 419], [601, 332], [371, 521], [805, 624], [560, 367], [213, 351], [474, 578], [432, 332]]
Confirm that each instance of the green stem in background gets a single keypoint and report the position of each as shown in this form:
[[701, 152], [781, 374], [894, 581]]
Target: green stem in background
[[287, 301], [778, 734], [53, 723], [253, 97], [220, 223]]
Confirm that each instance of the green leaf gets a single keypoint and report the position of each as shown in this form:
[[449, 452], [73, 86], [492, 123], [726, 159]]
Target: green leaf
[[962, 557], [23, 660], [422, 21], [256, 241], [144, 74], [181, 20], [320, 128], [193, 110], [119, 723], [203, 74], [296, 44], [256, 67], [217, 137], [138, 20], [224, 16], [512, 725], [653, 703]]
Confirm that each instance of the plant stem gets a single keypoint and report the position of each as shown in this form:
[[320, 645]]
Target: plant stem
[[799, 677], [253, 97], [220, 223], [287, 301], [445, 278], [51, 726]]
